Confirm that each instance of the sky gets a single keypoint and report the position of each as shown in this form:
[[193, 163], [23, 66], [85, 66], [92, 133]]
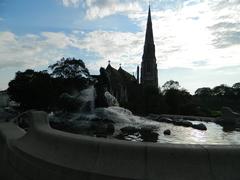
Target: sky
[[197, 41]]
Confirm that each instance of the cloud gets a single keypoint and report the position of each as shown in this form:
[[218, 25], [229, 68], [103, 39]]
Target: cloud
[[30, 51], [96, 9], [200, 63], [193, 30], [182, 34], [190, 34], [119, 47], [70, 3], [225, 28], [1, 19], [26, 51], [57, 40], [100, 9]]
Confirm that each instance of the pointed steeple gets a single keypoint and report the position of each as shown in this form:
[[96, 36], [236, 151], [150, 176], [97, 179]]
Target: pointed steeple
[[149, 72], [149, 31], [149, 47]]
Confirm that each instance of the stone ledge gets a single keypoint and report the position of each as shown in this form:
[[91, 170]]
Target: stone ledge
[[44, 152]]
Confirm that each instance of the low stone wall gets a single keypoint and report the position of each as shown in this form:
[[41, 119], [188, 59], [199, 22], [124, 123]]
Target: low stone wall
[[44, 153]]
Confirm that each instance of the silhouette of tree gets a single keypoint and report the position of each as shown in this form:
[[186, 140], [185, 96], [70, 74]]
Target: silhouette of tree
[[176, 98], [236, 85], [204, 91], [236, 89], [170, 85], [31, 89], [40, 90], [223, 90], [69, 68]]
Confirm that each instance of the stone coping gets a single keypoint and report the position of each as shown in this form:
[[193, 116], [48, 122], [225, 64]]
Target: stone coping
[[51, 152]]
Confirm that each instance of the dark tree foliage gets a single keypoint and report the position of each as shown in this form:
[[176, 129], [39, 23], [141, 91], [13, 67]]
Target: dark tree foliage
[[69, 68], [209, 101], [223, 90], [175, 99], [204, 91], [236, 85], [40, 90], [171, 85], [152, 100], [33, 90], [236, 89]]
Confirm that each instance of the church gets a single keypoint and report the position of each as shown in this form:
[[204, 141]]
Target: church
[[123, 83]]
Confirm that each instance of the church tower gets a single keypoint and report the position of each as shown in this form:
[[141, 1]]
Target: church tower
[[149, 72]]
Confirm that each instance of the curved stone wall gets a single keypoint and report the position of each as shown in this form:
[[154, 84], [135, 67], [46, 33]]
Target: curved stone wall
[[45, 153]]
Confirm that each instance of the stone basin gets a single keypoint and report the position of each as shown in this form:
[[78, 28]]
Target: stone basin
[[45, 153]]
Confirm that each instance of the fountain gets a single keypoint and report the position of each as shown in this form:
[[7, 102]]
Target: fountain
[[46, 153], [100, 119]]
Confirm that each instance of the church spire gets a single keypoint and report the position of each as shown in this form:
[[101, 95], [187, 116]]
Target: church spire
[[149, 47], [149, 31], [149, 72]]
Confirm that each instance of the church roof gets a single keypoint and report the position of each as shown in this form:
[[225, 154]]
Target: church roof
[[125, 75], [114, 75], [119, 76]]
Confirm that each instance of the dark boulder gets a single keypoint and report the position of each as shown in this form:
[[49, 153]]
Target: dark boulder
[[182, 123], [101, 129], [165, 119], [167, 132], [129, 130], [186, 123], [200, 126], [69, 103], [148, 134], [229, 117], [6, 114]]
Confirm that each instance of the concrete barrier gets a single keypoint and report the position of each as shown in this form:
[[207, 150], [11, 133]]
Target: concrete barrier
[[45, 153]]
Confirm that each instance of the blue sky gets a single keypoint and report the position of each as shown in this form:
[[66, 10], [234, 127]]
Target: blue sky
[[197, 41]]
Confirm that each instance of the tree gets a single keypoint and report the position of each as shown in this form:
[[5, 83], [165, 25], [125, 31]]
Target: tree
[[176, 98], [171, 85], [204, 91], [236, 85], [40, 90], [33, 90], [223, 90], [69, 68], [236, 89]]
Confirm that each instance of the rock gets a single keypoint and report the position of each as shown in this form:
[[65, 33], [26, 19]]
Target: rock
[[182, 123], [200, 126], [150, 137], [229, 116], [165, 119], [154, 117], [102, 129], [110, 129], [186, 123], [120, 136], [167, 132], [106, 121], [129, 130], [148, 134], [6, 114], [146, 129]]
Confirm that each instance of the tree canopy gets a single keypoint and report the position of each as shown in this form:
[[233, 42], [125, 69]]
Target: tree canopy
[[171, 84], [69, 68], [204, 91], [41, 90]]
